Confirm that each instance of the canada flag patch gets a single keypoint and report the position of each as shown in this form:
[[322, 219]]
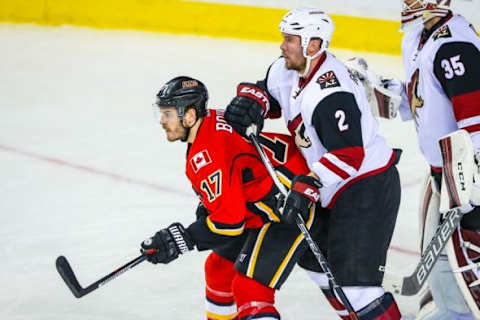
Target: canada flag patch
[[328, 80], [200, 160]]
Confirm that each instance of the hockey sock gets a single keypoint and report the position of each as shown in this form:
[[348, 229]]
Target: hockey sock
[[219, 273], [383, 308], [254, 300]]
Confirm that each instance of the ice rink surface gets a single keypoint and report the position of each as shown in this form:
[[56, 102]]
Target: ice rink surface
[[87, 172]]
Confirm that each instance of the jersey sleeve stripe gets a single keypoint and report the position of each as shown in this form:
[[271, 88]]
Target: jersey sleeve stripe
[[333, 168], [466, 105], [473, 128], [225, 229], [267, 210], [469, 122], [351, 156]]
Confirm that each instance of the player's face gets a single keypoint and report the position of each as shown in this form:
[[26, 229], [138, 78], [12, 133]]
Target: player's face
[[171, 124], [292, 51]]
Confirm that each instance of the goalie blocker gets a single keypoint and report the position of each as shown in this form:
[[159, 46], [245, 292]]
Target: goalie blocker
[[446, 188]]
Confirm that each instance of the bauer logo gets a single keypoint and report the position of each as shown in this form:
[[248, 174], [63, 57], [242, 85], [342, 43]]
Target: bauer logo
[[200, 160]]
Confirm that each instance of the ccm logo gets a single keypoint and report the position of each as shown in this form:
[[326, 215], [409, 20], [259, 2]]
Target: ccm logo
[[255, 93], [312, 193]]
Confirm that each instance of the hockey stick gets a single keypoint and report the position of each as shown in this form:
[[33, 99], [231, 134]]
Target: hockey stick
[[411, 285], [311, 243], [67, 274]]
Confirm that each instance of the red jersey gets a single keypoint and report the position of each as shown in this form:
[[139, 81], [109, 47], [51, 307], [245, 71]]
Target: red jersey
[[228, 174]]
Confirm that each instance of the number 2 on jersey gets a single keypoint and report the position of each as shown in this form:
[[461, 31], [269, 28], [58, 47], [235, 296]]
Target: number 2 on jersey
[[340, 115], [212, 185]]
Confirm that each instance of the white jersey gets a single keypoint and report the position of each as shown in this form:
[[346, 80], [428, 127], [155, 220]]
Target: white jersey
[[443, 83], [330, 118]]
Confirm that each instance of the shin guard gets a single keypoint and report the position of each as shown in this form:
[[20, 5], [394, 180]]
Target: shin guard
[[254, 300], [219, 273]]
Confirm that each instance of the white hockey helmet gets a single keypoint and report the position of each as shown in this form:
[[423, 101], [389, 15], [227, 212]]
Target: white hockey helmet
[[421, 11], [308, 23]]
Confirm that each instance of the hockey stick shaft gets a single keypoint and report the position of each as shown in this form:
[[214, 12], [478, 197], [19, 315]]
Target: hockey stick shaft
[[303, 228], [67, 274], [411, 285]]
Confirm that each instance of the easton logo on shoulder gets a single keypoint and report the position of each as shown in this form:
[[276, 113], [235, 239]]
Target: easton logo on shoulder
[[442, 32], [200, 160], [328, 80]]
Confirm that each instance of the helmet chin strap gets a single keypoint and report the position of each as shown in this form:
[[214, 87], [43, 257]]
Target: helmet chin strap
[[309, 62]]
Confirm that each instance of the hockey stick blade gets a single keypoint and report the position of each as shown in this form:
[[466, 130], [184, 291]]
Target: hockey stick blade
[[411, 285], [66, 272]]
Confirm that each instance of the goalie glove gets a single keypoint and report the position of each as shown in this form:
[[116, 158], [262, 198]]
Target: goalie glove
[[383, 95], [167, 244], [247, 110]]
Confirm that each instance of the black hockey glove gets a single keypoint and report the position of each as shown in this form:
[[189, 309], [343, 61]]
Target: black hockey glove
[[246, 111], [304, 192], [167, 244]]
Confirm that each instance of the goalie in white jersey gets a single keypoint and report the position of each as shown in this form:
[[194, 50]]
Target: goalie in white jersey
[[442, 95], [326, 110]]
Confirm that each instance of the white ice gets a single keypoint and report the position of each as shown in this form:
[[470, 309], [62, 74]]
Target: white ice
[[86, 171]]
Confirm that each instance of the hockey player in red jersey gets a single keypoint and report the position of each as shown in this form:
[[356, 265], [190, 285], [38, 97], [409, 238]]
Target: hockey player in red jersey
[[326, 110], [253, 251]]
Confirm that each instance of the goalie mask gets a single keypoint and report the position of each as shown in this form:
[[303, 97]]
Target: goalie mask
[[182, 93], [308, 24], [421, 11]]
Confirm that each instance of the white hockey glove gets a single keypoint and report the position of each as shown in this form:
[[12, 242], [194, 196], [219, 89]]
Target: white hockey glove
[[384, 95]]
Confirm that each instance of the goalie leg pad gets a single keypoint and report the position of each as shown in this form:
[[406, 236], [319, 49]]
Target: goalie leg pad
[[446, 295], [458, 169], [429, 216], [254, 300], [219, 274], [463, 251]]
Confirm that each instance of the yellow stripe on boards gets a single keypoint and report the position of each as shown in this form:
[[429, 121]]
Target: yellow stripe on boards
[[198, 18]]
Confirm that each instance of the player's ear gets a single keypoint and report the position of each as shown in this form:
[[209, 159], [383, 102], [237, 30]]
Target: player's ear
[[314, 46], [190, 117]]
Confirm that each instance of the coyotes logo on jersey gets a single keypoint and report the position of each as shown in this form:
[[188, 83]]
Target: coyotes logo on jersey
[[442, 32], [328, 80], [412, 91], [297, 130]]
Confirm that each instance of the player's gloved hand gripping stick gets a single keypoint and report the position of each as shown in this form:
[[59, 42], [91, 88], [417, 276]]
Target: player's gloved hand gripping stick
[[301, 225]]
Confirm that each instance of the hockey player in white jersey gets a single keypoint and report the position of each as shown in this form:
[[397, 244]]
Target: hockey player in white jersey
[[441, 94], [325, 108]]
